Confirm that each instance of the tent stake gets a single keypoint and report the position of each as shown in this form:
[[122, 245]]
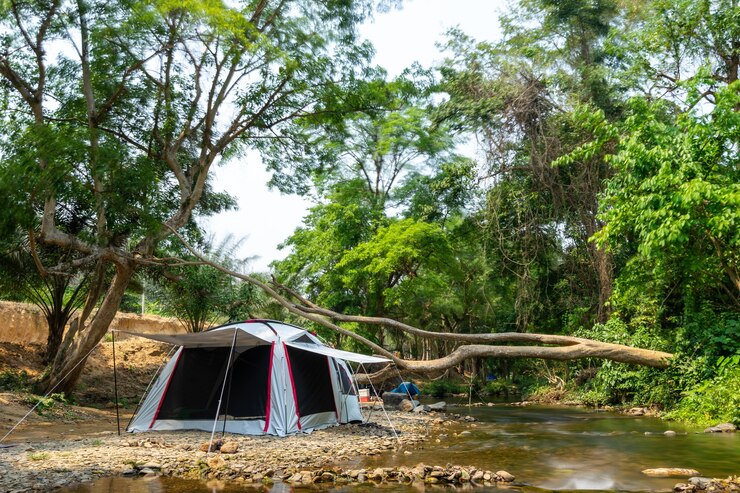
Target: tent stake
[[223, 387], [115, 382]]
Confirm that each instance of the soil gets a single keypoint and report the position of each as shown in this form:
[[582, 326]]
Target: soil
[[91, 409]]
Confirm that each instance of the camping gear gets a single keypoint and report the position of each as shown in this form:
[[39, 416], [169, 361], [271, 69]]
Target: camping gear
[[364, 395], [255, 377]]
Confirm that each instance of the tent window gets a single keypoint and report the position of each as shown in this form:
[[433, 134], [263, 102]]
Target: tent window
[[312, 382], [304, 338], [344, 380], [196, 385]]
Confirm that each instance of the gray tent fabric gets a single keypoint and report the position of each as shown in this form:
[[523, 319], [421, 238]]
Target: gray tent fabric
[[280, 379]]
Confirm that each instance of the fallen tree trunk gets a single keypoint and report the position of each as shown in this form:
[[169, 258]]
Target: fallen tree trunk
[[555, 347]]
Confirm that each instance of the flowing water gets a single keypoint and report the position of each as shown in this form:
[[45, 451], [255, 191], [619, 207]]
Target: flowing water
[[546, 448]]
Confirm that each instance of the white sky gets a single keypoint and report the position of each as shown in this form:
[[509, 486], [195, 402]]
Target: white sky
[[266, 218]]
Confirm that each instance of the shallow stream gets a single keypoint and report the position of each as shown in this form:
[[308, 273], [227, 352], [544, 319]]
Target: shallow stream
[[546, 448]]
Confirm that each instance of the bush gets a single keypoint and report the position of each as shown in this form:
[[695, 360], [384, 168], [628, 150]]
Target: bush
[[13, 380], [715, 400], [44, 404], [440, 388], [498, 387]]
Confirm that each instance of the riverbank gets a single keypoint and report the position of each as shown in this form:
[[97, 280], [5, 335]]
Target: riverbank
[[39, 466]]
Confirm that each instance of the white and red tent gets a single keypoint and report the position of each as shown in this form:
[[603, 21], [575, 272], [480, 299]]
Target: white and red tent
[[255, 377]]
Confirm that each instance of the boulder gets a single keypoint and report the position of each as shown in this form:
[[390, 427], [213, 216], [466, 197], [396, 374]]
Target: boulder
[[699, 482], [722, 428], [668, 472], [406, 406], [392, 400], [423, 408], [440, 406], [505, 476], [229, 447]]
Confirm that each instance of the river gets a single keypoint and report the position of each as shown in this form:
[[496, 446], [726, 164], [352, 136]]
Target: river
[[546, 448]]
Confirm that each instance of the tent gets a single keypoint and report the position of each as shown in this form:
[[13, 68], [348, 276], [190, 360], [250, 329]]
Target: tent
[[255, 377]]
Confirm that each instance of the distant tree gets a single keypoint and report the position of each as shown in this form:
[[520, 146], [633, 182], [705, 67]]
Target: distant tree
[[57, 294], [198, 295]]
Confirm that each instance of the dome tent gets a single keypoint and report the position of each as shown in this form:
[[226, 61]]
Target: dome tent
[[255, 377]]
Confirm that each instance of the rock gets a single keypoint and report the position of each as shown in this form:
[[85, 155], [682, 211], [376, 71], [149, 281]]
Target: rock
[[147, 472], [700, 482], [229, 448], [422, 409], [505, 476], [440, 406], [392, 400], [684, 487], [478, 475], [151, 465], [669, 433], [466, 432], [406, 406], [215, 462], [129, 472], [216, 446], [637, 411], [668, 472], [722, 428]]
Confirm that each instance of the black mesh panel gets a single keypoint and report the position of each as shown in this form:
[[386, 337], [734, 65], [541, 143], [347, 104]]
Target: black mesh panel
[[312, 382], [196, 384]]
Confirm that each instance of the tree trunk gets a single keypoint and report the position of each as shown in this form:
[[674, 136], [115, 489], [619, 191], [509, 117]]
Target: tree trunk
[[82, 338]]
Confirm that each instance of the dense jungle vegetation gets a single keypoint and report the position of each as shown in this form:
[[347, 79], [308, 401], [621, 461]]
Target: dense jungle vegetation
[[578, 176]]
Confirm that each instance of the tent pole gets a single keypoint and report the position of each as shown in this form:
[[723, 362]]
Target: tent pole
[[228, 399], [223, 387], [408, 392], [382, 404], [115, 381]]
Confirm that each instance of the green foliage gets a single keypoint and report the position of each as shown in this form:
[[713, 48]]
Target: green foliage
[[715, 400], [200, 296], [498, 387], [441, 388], [15, 380], [46, 404]]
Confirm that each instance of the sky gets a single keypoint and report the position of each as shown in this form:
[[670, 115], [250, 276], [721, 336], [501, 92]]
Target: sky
[[265, 218]]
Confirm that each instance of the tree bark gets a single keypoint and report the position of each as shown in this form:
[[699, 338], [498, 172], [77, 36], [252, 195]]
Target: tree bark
[[65, 371], [556, 347]]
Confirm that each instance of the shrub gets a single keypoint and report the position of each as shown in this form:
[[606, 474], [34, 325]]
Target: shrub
[[714, 400], [14, 380], [440, 388]]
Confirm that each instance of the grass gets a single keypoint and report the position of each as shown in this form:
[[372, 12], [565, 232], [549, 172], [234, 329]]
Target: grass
[[37, 456]]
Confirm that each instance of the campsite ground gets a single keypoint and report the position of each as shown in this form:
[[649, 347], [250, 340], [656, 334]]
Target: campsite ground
[[69, 441]]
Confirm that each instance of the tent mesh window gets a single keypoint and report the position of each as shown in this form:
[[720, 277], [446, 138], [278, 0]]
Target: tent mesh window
[[196, 384], [312, 382]]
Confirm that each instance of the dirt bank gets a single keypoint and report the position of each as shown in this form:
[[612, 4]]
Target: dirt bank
[[24, 323]]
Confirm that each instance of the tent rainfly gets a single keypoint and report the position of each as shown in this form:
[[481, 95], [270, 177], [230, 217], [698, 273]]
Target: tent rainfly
[[257, 377]]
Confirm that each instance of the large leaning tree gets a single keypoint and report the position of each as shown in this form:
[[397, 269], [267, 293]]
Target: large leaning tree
[[117, 112]]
